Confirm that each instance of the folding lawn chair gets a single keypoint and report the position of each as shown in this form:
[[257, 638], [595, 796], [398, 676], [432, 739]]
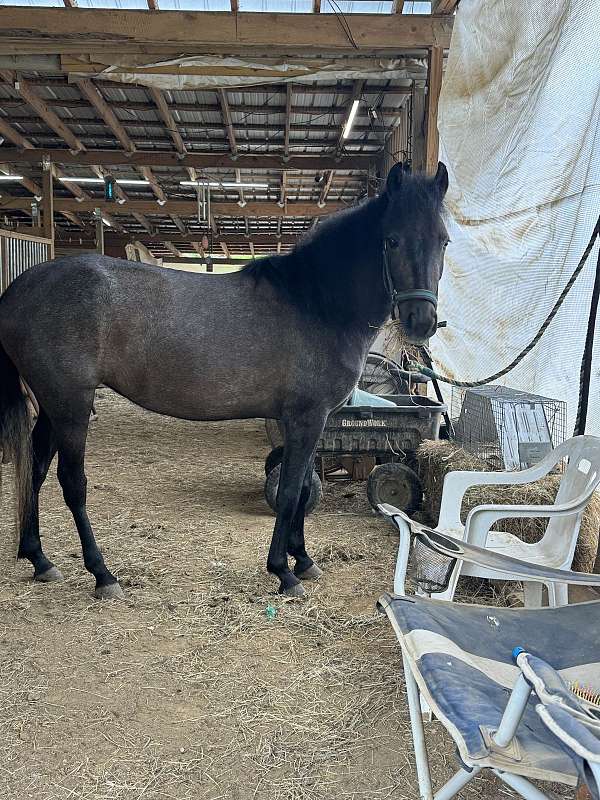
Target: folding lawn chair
[[481, 671]]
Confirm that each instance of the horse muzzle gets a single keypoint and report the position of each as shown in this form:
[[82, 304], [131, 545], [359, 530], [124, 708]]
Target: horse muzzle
[[417, 312]]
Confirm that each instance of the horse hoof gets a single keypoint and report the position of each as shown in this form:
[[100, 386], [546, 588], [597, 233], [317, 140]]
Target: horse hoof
[[297, 590], [49, 576], [111, 591], [313, 573]]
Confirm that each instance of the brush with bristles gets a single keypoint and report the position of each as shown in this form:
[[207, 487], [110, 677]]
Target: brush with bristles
[[585, 693]]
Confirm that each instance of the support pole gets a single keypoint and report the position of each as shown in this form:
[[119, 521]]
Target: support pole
[[99, 230], [585, 374], [434, 85], [48, 202]]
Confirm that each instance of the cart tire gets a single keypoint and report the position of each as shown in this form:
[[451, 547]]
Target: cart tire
[[274, 432], [397, 485], [274, 458], [272, 485]]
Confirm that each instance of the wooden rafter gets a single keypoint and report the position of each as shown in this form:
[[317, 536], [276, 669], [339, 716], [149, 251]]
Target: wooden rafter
[[26, 91], [397, 6], [70, 3], [167, 118], [117, 31], [227, 121], [153, 5], [8, 132], [235, 6], [172, 249], [325, 189], [225, 249], [96, 99], [198, 248], [316, 6], [178, 222], [109, 158], [289, 90]]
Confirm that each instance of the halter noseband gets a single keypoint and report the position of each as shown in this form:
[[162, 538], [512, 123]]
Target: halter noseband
[[399, 297]]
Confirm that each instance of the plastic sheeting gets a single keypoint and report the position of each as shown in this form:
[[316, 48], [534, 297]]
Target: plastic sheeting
[[519, 131], [195, 72]]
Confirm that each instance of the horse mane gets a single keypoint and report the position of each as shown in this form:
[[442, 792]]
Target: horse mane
[[315, 276]]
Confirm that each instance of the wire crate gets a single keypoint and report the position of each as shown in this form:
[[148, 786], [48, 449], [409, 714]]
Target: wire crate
[[508, 428]]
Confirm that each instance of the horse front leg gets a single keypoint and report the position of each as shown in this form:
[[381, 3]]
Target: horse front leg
[[305, 567], [301, 436]]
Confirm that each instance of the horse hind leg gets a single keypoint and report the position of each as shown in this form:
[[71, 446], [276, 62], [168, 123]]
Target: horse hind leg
[[30, 546], [71, 437]]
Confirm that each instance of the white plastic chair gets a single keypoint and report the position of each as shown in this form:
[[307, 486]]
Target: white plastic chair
[[556, 548]]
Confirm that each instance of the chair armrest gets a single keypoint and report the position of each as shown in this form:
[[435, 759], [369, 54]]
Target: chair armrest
[[481, 518], [456, 484], [463, 551]]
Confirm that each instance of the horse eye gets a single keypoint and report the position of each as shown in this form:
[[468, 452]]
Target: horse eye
[[393, 243]]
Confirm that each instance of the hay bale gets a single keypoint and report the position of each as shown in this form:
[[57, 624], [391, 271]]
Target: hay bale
[[435, 459]]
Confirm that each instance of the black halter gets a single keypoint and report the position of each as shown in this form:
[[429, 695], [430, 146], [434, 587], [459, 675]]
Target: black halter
[[399, 297]]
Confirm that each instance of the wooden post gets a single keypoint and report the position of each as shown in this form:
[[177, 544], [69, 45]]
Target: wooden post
[[48, 201], [3, 265], [434, 84], [99, 231], [418, 126]]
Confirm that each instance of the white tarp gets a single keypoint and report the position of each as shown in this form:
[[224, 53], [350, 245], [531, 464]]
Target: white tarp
[[519, 131]]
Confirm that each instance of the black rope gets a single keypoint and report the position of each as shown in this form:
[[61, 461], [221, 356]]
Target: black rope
[[586, 359], [473, 384]]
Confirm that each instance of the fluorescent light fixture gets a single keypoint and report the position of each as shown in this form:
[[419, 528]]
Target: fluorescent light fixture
[[11, 177], [119, 181], [225, 185], [106, 222], [350, 120], [81, 180]]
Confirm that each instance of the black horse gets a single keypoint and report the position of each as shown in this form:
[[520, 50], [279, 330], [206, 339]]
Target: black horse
[[284, 338]]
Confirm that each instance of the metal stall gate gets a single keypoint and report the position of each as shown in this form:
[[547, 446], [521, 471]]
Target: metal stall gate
[[18, 252]]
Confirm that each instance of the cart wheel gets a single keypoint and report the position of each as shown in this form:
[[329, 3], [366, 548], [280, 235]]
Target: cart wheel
[[274, 458], [272, 485], [397, 485], [274, 432]]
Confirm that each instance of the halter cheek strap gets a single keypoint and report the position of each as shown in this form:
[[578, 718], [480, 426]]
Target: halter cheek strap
[[399, 297]]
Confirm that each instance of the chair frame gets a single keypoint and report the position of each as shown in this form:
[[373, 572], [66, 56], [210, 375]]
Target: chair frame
[[519, 697]]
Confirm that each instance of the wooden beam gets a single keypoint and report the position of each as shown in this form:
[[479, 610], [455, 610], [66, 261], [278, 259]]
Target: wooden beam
[[178, 222], [235, 6], [181, 207], [32, 30], [325, 189], [397, 6], [39, 106], [153, 5], [441, 7], [8, 132], [167, 118], [200, 161], [225, 249], [228, 124], [96, 99], [434, 84], [316, 6], [172, 249], [70, 3]]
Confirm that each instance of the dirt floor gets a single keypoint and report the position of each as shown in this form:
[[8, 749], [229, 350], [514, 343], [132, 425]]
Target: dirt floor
[[190, 689]]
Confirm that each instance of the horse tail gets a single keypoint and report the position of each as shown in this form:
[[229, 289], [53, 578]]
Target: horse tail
[[15, 437]]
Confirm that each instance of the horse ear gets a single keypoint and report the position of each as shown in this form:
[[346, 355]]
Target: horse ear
[[394, 178], [441, 180]]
